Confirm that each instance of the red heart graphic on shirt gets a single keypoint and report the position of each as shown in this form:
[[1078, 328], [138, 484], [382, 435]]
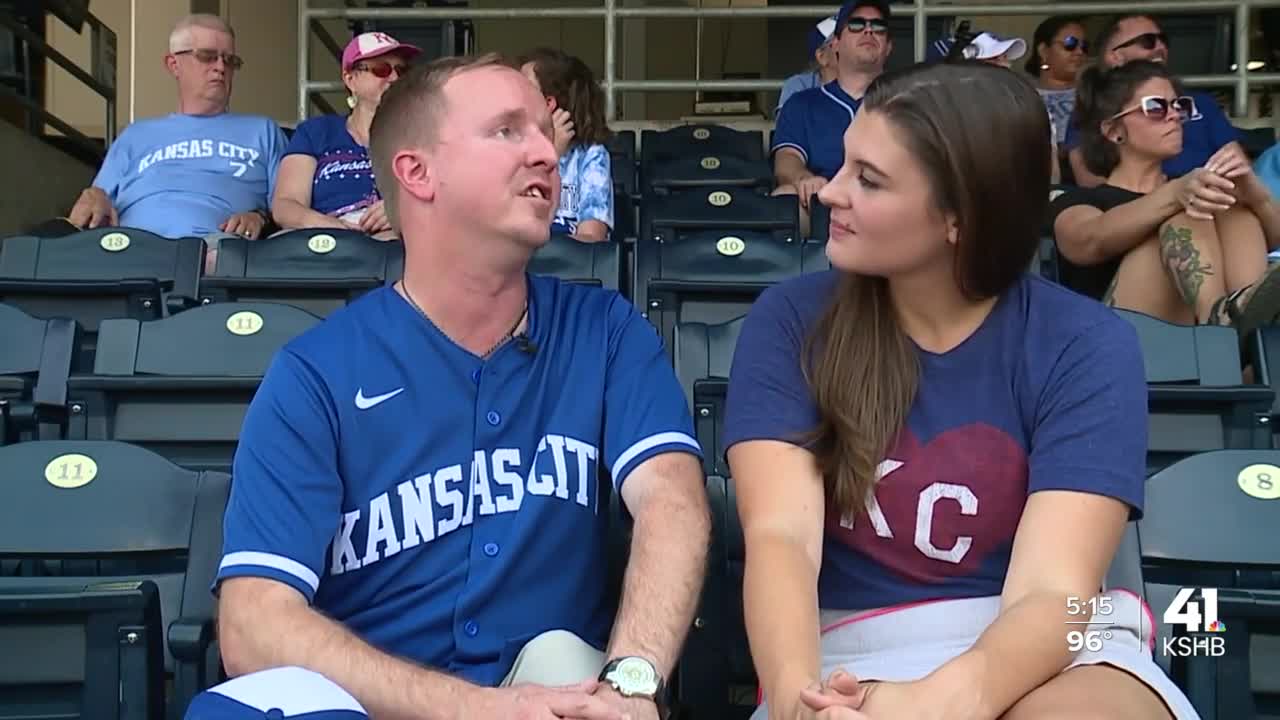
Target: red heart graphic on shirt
[[947, 504]]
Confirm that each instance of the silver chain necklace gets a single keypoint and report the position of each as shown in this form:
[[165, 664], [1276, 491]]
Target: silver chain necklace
[[501, 341]]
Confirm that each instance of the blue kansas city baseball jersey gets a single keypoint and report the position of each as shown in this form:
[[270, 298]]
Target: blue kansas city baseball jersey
[[449, 509]]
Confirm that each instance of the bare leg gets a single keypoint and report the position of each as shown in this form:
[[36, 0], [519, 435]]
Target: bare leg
[[1191, 252], [804, 211], [1141, 284], [1244, 247]]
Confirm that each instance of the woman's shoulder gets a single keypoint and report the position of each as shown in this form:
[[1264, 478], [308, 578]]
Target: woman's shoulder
[[1104, 197], [1055, 318], [797, 301]]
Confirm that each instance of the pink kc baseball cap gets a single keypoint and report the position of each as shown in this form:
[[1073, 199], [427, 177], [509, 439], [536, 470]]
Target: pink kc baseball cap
[[372, 44]]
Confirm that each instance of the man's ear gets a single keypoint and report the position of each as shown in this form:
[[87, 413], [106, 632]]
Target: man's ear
[[414, 173], [171, 64]]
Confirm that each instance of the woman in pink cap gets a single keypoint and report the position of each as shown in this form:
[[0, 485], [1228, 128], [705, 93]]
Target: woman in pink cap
[[326, 178]]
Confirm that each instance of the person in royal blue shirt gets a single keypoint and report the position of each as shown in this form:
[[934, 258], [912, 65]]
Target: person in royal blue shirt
[[1207, 135], [422, 487], [807, 149], [932, 449], [326, 178]]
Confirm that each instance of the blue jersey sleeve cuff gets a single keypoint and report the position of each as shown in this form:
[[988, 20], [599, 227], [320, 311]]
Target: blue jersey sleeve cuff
[[793, 146], [270, 566], [646, 448]]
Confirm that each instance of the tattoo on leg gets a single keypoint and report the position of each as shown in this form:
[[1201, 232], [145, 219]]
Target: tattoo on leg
[[1182, 258]]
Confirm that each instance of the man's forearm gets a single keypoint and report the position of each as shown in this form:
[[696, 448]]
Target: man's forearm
[[663, 579], [389, 688], [789, 168]]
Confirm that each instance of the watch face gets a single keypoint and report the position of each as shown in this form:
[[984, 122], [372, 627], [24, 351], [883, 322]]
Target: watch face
[[635, 677]]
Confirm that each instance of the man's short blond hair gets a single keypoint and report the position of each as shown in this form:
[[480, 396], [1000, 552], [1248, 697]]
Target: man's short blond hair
[[409, 115], [180, 36]]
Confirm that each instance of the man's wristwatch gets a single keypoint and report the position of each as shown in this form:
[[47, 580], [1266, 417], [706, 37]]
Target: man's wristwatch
[[633, 677]]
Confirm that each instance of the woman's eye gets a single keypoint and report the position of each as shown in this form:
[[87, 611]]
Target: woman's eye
[[866, 182]]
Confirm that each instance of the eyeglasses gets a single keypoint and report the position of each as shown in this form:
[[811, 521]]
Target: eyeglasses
[[858, 24], [382, 71], [209, 57], [1158, 108], [1147, 41], [1071, 43]]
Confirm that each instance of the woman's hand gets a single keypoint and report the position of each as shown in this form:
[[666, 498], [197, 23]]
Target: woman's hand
[[1231, 163], [562, 124], [1202, 193]]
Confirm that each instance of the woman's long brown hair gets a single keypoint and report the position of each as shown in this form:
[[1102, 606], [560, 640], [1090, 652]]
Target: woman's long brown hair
[[981, 135]]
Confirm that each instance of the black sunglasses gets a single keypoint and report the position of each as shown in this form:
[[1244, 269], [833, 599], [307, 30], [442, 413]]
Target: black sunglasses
[[382, 71], [1071, 43], [858, 24], [1147, 41], [209, 57]]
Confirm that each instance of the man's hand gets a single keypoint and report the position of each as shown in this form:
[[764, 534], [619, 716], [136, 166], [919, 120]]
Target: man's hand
[[807, 187], [534, 702], [375, 219], [630, 708], [93, 209], [248, 224]]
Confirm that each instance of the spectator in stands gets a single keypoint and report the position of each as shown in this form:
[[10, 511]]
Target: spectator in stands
[[586, 172], [1188, 250], [1138, 37], [933, 450], [1058, 53], [466, 470], [202, 171], [326, 178], [807, 149], [822, 62]]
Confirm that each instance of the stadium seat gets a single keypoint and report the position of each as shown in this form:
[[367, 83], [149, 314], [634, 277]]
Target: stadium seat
[[1196, 397], [598, 263], [1264, 354], [98, 274], [622, 161], [700, 156], [1209, 524], [703, 356], [36, 357], [706, 256], [116, 549], [316, 270], [180, 386]]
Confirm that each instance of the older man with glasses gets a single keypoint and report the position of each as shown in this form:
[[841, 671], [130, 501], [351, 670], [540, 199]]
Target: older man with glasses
[[199, 172], [1208, 138]]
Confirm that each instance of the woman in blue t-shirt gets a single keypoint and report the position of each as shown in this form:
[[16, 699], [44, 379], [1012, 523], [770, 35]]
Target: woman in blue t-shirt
[[586, 175], [326, 177], [935, 453]]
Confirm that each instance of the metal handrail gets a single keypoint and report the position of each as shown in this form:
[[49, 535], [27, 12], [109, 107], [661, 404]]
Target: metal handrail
[[610, 11], [99, 34]]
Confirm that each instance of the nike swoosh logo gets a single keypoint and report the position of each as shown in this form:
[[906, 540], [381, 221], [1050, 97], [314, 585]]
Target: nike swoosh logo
[[364, 403]]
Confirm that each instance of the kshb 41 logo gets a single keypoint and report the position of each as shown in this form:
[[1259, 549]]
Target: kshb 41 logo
[[1195, 617]]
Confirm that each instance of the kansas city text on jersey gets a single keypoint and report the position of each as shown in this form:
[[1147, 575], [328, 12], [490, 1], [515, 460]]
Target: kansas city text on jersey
[[436, 503]]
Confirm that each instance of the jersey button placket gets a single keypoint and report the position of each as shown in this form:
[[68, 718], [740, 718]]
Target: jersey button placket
[[471, 628]]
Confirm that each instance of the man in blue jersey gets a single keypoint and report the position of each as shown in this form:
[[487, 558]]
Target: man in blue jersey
[[808, 140], [199, 172], [418, 526], [1206, 134]]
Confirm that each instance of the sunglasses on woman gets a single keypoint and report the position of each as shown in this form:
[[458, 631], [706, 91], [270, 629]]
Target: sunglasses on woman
[[858, 24], [382, 71], [1071, 43], [1146, 41], [1158, 108]]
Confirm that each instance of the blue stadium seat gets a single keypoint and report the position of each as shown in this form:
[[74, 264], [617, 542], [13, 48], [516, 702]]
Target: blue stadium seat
[[705, 256], [700, 156], [98, 274], [597, 263], [180, 386], [316, 270], [1196, 396], [115, 549], [1264, 353], [1209, 523], [36, 357]]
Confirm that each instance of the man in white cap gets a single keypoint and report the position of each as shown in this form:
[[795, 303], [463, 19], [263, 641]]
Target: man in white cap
[[822, 62]]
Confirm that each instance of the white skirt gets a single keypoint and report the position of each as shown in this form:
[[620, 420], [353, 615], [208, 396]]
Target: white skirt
[[907, 642]]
